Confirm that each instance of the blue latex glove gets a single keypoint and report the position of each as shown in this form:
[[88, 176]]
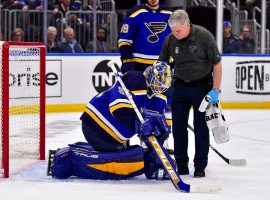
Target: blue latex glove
[[214, 96]]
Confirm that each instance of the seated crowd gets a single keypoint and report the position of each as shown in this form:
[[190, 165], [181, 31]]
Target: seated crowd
[[77, 37], [237, 44], [71, 33]]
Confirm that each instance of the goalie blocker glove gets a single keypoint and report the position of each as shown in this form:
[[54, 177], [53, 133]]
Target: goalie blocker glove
[[154, 124]]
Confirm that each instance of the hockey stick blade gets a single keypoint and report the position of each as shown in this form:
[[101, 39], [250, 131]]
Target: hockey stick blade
[[237, 162], [204, 188], [233, 162]]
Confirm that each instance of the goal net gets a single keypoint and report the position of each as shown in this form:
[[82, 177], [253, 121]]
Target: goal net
[[22, 105]]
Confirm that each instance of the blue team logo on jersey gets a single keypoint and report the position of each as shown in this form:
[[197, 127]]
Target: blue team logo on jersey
[[192, 48], [155, 28]]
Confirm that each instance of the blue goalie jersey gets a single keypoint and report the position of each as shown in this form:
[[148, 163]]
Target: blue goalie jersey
[[143, 33], [112, 116]]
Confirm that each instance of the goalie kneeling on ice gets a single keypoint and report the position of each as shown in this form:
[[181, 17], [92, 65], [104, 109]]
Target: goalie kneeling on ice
[[216, 123], [80, 159]]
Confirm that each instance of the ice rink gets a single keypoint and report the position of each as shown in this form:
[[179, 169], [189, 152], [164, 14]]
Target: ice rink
[[250, 139]]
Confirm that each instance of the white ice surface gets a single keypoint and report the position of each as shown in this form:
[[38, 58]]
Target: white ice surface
[[250, 139]]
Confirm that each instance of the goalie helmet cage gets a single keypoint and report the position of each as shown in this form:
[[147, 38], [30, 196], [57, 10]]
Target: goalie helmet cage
[[22, 91]]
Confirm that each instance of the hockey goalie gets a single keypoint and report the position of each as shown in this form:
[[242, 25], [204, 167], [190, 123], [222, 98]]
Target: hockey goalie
[[109, 121]]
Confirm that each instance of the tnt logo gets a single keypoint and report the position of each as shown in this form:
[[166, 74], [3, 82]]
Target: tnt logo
[[252, 77], [103, 77]]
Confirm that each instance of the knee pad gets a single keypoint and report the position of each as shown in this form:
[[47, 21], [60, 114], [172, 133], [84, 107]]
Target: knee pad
[[87, 163]]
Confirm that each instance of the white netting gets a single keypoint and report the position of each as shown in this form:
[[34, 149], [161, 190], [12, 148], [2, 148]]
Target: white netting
[[24, 101], [24, 92]]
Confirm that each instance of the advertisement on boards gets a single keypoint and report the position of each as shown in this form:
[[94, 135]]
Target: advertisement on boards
[[76, 79], [245, 79]]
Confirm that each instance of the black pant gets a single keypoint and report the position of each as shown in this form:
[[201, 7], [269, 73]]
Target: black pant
[[98, 142], [185, 95]]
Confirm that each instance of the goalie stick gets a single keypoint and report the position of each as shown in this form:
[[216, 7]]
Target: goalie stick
[[158, 149], [233, 162]]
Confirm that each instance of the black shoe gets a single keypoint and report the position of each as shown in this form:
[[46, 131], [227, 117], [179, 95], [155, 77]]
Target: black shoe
[[199, 173], [182, 170]]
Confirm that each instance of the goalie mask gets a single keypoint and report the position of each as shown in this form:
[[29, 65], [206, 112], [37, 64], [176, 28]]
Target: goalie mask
[[158, 77]]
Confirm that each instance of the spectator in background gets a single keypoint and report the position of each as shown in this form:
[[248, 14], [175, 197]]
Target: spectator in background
[[247, 43], [54, 8], [268, 16], [52, 46], [32, 21], [250, 6], [65, 6], [101, 44], [76, 4], [13, 4], [87, 19], [17, 35], [69, 44], [231, 42], [91, 5], [33, 4]]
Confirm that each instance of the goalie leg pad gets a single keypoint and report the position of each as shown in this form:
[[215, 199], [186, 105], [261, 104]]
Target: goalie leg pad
[[61, 164], [108, 165], [91, 164]]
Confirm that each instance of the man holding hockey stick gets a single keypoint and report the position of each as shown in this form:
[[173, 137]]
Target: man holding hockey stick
[[109, 121]]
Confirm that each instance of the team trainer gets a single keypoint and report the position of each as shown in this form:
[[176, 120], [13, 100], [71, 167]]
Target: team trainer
[[197, 72]]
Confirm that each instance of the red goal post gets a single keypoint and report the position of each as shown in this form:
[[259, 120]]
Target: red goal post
[[22, 91]]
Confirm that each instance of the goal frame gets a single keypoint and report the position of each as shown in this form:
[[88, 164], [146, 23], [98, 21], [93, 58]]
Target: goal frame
[[5, 100]]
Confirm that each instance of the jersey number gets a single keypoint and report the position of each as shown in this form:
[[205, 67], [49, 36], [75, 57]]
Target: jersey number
[[124, 28]]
